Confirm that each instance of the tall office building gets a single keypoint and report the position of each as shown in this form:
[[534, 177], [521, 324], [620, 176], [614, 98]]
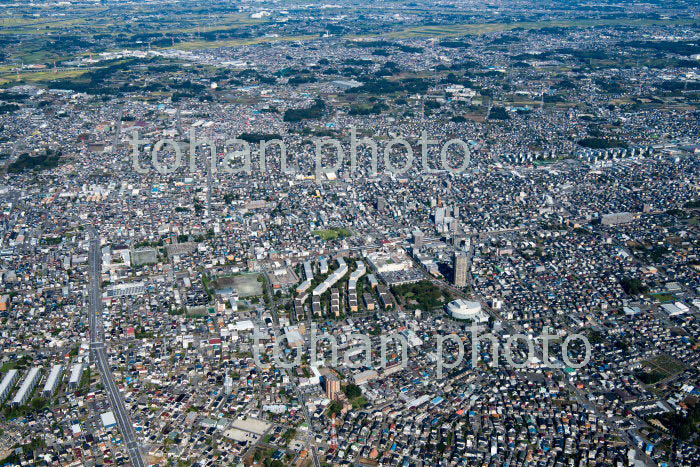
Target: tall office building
[[418, 239], [381, 204], [460, 270], [332, 386], [439, 215]]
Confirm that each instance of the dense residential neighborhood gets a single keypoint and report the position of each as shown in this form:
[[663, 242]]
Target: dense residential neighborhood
[[274, 233]]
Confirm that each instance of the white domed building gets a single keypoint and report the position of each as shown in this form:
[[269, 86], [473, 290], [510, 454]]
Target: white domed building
[[467, 310]]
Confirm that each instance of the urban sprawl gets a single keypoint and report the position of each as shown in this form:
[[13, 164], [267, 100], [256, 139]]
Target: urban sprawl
[[538, 305]]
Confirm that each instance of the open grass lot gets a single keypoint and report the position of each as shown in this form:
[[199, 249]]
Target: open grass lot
[[40, 27], [38, 76], [663, 297], [470, 28], [333, 234], [92, 19], [427, 31], [224, 22], [659, 368], [195, 45], [247, 285]]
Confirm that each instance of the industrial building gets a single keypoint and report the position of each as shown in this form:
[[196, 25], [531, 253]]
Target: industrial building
[[28, 385]]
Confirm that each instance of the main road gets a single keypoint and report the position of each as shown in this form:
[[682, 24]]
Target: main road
[[99, 352], [300, 395]]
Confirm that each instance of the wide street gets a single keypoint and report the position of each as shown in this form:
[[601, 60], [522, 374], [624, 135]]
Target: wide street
[[99, 354], [275, 320]]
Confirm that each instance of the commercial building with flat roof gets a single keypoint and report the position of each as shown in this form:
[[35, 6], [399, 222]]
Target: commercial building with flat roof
[[108, 420], [466, 310], [364, 376]]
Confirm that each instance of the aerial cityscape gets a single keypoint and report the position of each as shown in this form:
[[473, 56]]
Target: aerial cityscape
[[283, 233]]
